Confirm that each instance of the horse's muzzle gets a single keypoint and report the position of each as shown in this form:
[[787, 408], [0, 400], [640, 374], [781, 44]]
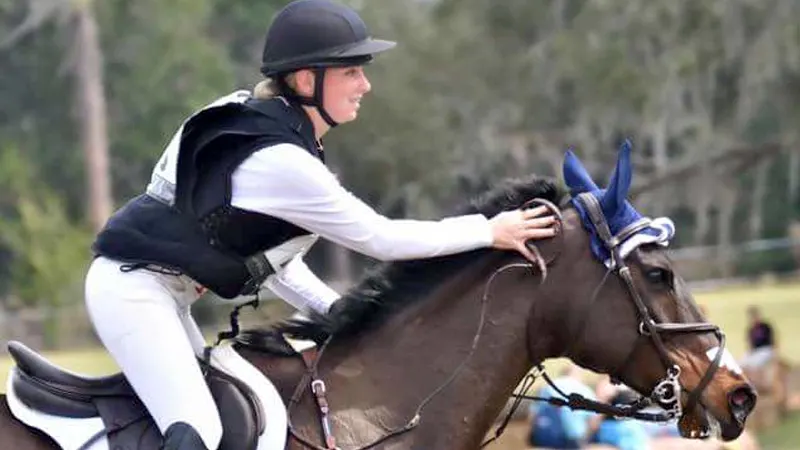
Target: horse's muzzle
[[741, 401]]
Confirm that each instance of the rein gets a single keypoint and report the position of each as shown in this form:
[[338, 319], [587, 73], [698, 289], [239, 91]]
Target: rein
[[575, 402], [312, 362], [311, 375]]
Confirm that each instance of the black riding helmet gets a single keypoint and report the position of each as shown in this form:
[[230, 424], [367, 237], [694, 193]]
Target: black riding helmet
[[316, 34]]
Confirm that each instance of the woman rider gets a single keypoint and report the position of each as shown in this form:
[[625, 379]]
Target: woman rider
[[237, 198]]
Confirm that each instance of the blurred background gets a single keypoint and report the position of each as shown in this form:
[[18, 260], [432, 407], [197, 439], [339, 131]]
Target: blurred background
[[477, 90]]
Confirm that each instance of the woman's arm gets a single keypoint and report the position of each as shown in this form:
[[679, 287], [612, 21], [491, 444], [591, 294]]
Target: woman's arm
[[298, 286], [285, 181]]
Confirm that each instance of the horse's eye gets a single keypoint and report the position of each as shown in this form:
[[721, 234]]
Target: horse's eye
[[658, 276]]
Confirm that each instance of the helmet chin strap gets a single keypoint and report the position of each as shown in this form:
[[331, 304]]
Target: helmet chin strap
[[316, 100], [319, 80]]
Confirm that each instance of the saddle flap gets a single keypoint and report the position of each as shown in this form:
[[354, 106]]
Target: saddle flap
[[239, 409], [128, 424]]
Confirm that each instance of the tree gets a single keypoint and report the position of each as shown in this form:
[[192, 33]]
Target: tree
[[46, 245], [87, 70], [92, 101]]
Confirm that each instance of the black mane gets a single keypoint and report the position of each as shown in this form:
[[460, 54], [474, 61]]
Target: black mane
[[394, 285]]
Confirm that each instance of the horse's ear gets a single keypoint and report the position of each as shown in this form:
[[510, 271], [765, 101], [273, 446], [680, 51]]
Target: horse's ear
[[576, 177], [617, 190]]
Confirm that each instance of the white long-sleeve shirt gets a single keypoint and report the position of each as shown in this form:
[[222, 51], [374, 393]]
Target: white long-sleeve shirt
[[286, 182]]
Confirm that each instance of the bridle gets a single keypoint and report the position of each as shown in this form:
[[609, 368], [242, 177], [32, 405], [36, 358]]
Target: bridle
[[666, 394], [667, 391]]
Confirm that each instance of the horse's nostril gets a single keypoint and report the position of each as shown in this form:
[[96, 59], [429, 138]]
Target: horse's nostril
[[739, 398], [742, 400]]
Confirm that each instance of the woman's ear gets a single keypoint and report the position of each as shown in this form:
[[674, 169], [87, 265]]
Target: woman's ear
[[303, 82]]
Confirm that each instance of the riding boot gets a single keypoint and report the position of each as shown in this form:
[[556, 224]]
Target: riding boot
[[182, 436]]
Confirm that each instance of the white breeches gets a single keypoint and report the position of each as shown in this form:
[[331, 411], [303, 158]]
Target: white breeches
[[144, 321]]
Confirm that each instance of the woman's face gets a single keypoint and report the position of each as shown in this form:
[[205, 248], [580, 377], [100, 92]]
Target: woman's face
[[344, 87]]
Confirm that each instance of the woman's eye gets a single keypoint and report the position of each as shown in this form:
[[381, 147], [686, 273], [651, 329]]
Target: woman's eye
[[658, 276]]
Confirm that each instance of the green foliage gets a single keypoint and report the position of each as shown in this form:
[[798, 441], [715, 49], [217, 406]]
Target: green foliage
[[404, 141], [165, 61], [36, 98], [161, 65], [48, 248], [474, 91], [774, 261], [35, 227], [241, 27], [783, 435]]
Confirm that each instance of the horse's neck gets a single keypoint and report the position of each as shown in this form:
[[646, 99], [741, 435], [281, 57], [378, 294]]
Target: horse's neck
[[377, 380]]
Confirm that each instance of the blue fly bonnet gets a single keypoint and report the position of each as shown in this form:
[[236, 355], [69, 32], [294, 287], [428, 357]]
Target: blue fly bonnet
[[617, 210]]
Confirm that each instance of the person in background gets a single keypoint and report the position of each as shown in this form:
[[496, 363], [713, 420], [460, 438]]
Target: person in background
[[760, 339], [560, 427], [623, 434]]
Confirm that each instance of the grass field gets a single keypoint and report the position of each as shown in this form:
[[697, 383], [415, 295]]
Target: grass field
[[783, 437], [780, 304]]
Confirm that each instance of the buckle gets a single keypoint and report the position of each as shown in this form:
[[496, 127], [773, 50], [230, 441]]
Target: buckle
[[318, 387]]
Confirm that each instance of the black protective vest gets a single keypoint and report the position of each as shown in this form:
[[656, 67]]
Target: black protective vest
[[201, 234]]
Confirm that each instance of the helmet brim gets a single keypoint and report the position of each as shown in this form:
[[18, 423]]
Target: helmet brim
[[366, 47], [358, 53]]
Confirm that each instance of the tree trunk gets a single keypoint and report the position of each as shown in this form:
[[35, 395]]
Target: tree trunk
[[756, 217], [660, 161], [794, 235], [701, 204], [727, 204], [794, 176], [92, 111]]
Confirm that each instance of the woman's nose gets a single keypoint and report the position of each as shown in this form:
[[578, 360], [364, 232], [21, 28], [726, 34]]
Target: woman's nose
[[366, 86]]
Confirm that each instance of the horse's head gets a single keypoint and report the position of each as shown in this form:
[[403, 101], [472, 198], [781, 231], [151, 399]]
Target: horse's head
[[629, 314]]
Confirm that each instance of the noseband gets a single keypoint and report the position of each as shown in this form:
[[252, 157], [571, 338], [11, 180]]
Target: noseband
[[667, 392]]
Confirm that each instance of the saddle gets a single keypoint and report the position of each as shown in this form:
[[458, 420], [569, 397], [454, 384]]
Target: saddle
[[43, 386]]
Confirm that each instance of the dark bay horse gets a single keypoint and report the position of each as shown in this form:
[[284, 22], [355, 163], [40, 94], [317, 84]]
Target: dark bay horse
[[408, 336]]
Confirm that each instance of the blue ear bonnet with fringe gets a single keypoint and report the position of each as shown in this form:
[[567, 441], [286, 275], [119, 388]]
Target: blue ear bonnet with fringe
[[619, 213]]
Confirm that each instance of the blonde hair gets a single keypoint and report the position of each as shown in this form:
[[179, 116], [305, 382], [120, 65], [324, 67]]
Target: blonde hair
[[266, 89], [272, 87]]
